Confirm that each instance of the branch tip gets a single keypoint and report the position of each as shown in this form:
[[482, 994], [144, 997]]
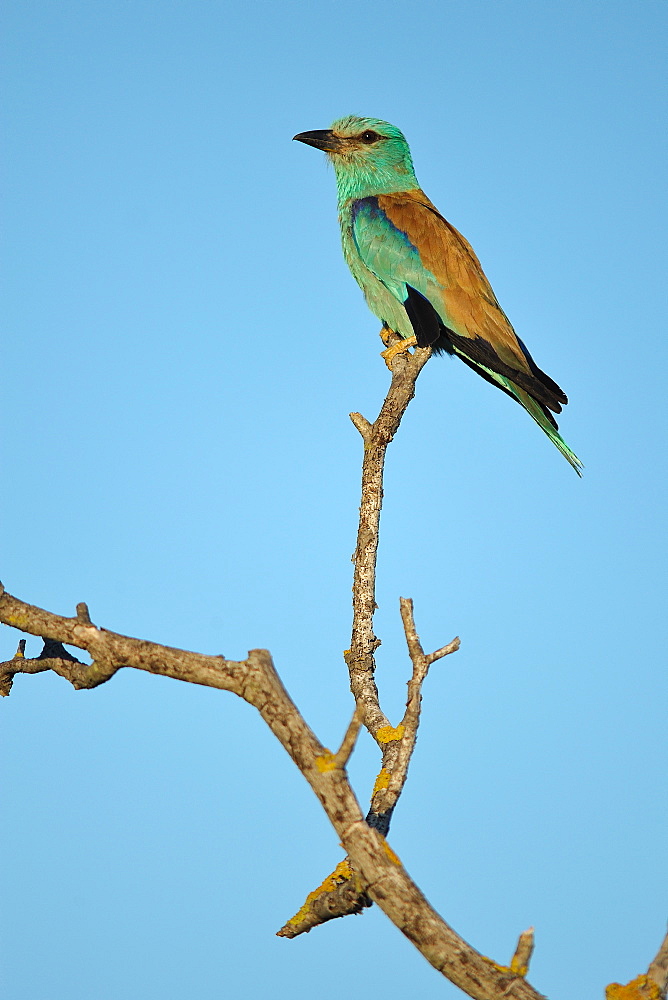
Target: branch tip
[[523, 952], [395, 770], [339, 895], [362, 425], [438, 654], [412, 639], [342, 755], [83, 613]]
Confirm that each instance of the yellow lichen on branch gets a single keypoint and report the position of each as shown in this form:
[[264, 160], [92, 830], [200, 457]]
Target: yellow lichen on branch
[[326, 762], [641, 988], [340, 894], [342, 873], [386, 734], [390, 853], [519, 963], [382, 781]]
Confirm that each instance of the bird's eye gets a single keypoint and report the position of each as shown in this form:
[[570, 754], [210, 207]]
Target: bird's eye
[[369, 136]]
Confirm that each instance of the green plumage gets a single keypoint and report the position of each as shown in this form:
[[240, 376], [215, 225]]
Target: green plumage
[[418, 274]]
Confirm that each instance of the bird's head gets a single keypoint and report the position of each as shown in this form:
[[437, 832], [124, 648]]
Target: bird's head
[[369, 156]]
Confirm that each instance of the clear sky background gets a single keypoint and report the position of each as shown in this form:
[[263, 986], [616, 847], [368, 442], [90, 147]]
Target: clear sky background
[[182, 346]]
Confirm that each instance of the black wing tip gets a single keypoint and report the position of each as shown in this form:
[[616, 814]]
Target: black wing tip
[[424, 319], [538, 373], [481, 351], [430, 331]]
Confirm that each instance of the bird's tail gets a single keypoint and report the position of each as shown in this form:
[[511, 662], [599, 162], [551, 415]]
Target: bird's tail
[[545, 421], [538, 411]]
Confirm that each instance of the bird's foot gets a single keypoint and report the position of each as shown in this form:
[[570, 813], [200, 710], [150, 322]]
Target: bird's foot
[[388, 336], [399, 348]]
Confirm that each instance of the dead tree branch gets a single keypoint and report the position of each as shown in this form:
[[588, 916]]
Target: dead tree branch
[[396, 743], [371, 872], [525, 945], [254, 679], [653, 985], [658, 968], [377, 436]]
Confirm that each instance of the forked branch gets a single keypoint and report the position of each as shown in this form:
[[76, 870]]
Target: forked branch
[[254, 679], [371, 871], [395, 742]]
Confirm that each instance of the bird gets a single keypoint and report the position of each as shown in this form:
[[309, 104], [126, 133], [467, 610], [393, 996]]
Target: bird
[[419, 275]]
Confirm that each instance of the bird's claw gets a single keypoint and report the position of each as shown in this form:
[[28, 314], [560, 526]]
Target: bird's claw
[[399, 348]]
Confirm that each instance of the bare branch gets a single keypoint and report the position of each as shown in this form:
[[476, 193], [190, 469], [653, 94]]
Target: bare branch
[[390, 782], [415, 650], [342, 755], [340, 895], [83, 614], [396, 743], [377, 436], [658, 970], [55, 657], [438, 654], [651, 986], [522, 957], [362, 425], [371, 872], [380, 871]]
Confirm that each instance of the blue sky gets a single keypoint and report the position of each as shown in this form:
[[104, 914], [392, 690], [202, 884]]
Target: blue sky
[[182, 345]]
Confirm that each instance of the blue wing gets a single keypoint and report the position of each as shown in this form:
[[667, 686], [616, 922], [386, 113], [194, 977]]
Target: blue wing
[[388, 252]]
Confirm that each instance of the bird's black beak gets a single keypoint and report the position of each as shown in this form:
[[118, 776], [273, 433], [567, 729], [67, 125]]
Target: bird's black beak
[[321, 138]]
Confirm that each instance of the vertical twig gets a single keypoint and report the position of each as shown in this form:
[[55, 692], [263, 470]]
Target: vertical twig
[[360, 658]]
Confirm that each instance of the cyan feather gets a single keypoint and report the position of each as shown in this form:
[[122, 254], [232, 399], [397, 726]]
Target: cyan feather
[[418, 274]]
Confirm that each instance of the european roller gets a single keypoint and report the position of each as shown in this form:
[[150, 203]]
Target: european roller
[[419, 275]]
